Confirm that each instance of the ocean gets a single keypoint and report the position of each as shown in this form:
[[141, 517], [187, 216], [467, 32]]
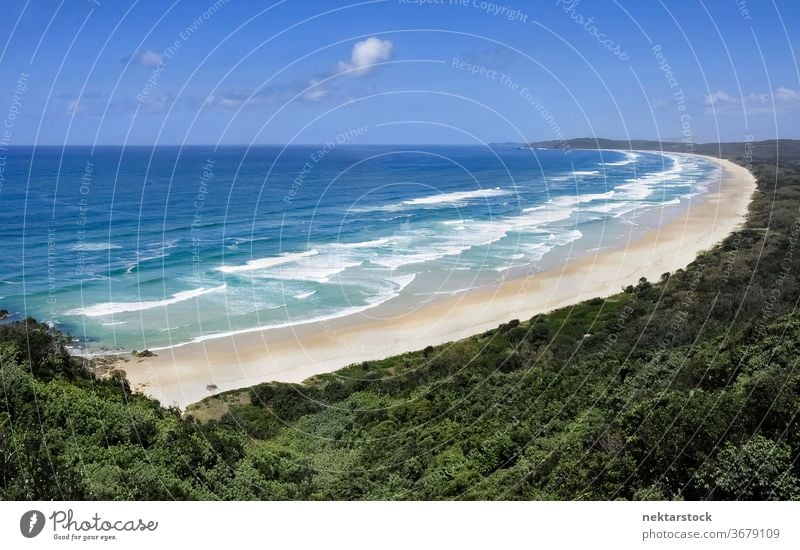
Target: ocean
[[143, 248]]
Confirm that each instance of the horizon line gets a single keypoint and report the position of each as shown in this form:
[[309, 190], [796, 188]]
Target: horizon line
[[239, 145]]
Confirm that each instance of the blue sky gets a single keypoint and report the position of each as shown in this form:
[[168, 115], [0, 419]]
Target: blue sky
[[452, 71]]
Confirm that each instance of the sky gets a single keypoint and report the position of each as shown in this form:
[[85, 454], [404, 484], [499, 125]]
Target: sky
[[220, 72]]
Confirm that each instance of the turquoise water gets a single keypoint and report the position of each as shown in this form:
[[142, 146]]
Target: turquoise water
[[147, 248]]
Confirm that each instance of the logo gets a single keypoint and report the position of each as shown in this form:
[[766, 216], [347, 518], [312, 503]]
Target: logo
[[31, 523]]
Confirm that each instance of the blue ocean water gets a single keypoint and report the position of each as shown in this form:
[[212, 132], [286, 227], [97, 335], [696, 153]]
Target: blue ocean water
[[146, 248]]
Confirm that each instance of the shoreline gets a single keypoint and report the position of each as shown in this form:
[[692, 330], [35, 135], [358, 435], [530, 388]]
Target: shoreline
[[180, 375]]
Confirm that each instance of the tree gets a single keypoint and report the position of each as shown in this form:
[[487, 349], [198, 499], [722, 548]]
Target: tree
[[758, 469]]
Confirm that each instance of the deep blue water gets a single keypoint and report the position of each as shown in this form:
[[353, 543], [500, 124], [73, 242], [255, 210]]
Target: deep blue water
[[139, 248]]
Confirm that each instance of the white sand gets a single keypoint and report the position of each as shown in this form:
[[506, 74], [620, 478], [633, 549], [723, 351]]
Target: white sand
[[179, 375]]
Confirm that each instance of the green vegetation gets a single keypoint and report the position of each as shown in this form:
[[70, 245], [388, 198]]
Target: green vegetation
[[685, 388]]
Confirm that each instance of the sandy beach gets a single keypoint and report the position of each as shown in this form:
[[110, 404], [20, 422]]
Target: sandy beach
[[180, 375]]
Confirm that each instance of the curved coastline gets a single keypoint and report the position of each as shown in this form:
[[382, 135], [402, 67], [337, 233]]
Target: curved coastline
[[179, 375]]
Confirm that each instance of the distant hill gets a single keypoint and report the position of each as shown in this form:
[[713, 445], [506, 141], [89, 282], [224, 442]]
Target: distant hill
[[730, 150]]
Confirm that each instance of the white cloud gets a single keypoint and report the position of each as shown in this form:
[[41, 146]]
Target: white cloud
[[785, 96], [73, 106], [660, 104], [311, 90], [779, 99], [720, 99], [236, 100], [365, 55], [150, 57], [158, 103], [230, 103], [315, 92]]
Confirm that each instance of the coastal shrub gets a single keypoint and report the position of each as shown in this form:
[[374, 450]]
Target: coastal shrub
[[757, 469]]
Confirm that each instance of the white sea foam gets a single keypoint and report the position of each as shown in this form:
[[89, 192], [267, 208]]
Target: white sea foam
[[575, 200], [399, 260], [535, 251], [94, 247], [162, 246], [456, 197], [110, 308], [565, 237], [631, 194], [399, 283], [132, 267], [304, 295], [616, 208], [576, 174], [319, 264], [582, 173], [644, 186], [318, 269], [537, 216], [376, 243], [629, 159], [264, 263], [427, 244]]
